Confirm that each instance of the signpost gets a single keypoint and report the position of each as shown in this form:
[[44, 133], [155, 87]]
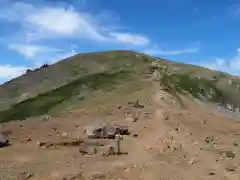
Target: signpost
[[118, 146]]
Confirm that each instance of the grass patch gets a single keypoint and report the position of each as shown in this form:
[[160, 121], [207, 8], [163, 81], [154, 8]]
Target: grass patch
[[43, 103], [198, 88]]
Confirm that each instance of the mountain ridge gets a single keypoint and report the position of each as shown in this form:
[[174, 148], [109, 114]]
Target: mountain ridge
[[94, 69]]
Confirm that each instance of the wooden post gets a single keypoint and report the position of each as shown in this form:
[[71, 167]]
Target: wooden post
[[118, 139]]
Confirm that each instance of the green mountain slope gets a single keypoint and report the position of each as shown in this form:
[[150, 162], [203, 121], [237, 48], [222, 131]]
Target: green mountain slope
[[43, 80], [81, 78]]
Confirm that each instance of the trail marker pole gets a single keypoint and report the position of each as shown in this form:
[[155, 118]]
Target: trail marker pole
[[118, 139]]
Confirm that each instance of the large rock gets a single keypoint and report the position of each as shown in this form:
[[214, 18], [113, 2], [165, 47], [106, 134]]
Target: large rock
[[3, 141], [74, 177], [105, 131], [108, 132], [25, 176], [87, 149], [93, 131], [228, 154], [109, 150], [123, 130]]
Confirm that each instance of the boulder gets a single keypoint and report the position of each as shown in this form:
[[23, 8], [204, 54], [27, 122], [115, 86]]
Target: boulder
[[74, 177], [69, 143], [135, 118], [166, 117], [209, 139], [25, 176], [124, 130], [41, 144], [105, 131], [93, 131], [46, 118], [230, 168], [135, 135], [3, 141], [21, 125], [108, 132], [229, 154], [109, 150], [119, 107], [212, 173], [112, 131], [87, 149], [64, 134]]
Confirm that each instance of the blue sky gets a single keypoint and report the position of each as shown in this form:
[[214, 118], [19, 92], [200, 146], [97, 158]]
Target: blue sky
[[205, 33]]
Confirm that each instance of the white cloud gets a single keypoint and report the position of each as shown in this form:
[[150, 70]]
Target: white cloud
[[226, 65], [63, 22], [32, 51], [61, 56], [48, 22], [171, 52], [16, 12], [9, 71], [128, 38], [40, 23], [60, 21], [42, 54]]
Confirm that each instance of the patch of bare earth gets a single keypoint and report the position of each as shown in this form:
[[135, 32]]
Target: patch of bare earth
[[166, 142]]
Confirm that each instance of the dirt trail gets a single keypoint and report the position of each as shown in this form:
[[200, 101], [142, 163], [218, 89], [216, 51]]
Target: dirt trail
[[156, 129]]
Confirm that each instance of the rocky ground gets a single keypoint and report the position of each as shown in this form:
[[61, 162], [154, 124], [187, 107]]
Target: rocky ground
[[166, 142]]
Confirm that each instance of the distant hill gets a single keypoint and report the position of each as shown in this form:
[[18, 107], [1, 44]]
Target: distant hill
[[78, 79]]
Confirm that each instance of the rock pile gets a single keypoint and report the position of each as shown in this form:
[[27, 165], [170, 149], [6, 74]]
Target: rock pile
[[105, 131], [3, 141]]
